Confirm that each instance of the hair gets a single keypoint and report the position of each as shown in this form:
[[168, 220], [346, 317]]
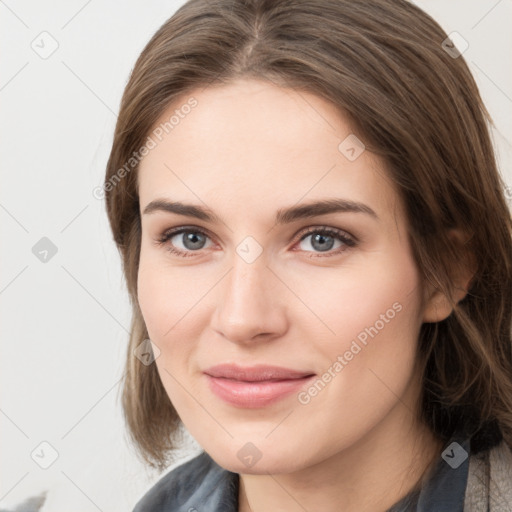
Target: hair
[[382, 64]]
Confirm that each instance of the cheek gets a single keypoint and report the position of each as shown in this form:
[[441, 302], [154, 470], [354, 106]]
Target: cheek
[[167, 308], [381, 291], [165, 296], [155, 295], [172, 305], [376, 319]]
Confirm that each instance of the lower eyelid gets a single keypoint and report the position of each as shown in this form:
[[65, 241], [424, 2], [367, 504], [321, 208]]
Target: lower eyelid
[[345, 246]]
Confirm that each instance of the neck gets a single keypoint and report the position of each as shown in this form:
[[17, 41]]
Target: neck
[[370, 475]]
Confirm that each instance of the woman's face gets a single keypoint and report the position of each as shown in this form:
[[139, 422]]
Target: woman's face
[[259, 282]]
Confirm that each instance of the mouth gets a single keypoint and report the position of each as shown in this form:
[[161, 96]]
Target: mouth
[[255, 386]]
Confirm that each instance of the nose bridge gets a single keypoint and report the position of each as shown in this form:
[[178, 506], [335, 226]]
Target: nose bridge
[[247, 285], [248, 304]]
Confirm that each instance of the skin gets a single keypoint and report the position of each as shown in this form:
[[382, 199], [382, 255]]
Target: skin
[[245, 151]]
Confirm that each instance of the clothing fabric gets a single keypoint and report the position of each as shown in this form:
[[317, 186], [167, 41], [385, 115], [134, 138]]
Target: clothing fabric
[[470, 476], [445, 485]]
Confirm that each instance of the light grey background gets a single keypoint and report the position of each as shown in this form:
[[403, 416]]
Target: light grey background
[[65, 321]]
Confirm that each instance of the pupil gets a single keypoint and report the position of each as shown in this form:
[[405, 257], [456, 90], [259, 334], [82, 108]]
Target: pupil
[[193, 239], [321, 240]]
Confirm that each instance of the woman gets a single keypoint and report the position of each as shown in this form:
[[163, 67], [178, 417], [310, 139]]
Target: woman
[[318, 251]]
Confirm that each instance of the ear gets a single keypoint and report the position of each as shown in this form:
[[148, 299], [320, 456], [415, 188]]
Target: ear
[[437, 306]]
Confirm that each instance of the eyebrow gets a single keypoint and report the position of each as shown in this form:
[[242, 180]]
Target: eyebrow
[[283, 215]]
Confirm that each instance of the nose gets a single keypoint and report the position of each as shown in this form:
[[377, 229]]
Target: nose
[[251, 303]]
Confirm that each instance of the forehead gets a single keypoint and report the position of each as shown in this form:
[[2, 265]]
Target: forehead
[[254, 144]]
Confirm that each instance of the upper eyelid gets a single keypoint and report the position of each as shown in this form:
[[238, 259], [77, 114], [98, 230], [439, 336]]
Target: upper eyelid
[[168, 233]]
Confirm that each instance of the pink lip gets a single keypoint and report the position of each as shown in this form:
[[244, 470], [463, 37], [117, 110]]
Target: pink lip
[[255, 386]]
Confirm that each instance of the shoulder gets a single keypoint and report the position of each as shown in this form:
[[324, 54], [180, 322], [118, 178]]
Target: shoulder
[[192, 485], [490, 480], [500, 459]]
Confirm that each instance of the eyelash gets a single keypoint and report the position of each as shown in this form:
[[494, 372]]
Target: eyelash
[[348, 241]]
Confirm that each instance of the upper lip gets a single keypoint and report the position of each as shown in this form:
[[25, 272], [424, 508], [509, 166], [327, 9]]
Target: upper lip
[[261, 372]]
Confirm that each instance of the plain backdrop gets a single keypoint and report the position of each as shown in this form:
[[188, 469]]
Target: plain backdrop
[[65, 311]]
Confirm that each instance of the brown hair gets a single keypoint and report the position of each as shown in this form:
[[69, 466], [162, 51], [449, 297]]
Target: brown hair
[[413, 103]]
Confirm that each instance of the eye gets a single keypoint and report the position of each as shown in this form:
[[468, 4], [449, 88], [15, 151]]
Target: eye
[[323, 239], [192, 240]]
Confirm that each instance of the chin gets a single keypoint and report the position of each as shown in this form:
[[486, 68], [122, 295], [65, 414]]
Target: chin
[[248, 459]]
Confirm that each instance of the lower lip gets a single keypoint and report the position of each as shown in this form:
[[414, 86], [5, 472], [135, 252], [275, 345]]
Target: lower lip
[[254, 394]]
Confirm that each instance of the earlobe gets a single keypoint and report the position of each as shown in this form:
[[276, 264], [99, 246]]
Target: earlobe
[[437, 305], [437, 308]]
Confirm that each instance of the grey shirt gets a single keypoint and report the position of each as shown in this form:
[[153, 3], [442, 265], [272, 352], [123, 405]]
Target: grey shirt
[[201, 485], [444, 486]]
